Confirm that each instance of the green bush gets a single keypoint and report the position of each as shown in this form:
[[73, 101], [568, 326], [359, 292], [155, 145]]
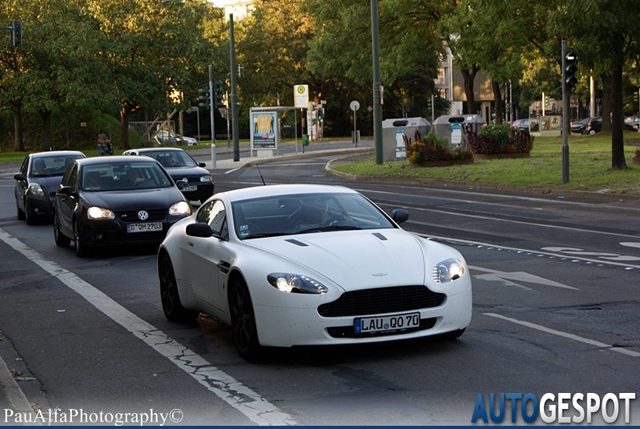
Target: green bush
[[434, 148], [500, 138]]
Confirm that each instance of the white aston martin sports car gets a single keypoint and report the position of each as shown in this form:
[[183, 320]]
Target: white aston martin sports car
[[289, 265]]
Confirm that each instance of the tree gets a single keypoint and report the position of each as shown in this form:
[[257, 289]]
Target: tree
[[604, 34], [152, 51]]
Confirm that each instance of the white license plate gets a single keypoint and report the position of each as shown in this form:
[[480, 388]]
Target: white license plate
[[144, 227], [189, 188], [365, 325]]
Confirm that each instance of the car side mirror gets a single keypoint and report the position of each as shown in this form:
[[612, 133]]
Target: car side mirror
[[181, 184], [199, 229], [19, 176], [400, 215], [65, 190], [202, 164]]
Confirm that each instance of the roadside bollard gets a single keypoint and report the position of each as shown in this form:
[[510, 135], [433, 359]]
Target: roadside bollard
[[213, 156]]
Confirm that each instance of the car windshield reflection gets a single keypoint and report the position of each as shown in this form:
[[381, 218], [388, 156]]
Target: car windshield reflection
[[120, 177], [305, 214]]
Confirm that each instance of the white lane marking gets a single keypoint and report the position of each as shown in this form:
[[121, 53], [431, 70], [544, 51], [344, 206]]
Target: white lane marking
[[603, 255], [495, 275], [519, 222], [566, 335], [521, 250], [234, 393], [630, 244]]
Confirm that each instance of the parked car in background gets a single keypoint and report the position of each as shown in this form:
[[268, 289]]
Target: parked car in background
[[589, 126], [106, 201], [182, 167], [288, 265], [37, 182], [632, 123], [163, 137], [527, 124]]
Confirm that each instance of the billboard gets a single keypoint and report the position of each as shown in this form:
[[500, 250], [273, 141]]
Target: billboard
[[264, 130]]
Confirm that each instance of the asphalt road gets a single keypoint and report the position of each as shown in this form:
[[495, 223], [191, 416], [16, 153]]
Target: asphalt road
[[556, 309]]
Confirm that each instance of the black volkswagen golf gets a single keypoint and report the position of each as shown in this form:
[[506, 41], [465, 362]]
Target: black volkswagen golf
[[116, 200]]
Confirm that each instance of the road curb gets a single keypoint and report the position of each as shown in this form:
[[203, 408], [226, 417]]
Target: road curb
[[511, 189], [15, 395]]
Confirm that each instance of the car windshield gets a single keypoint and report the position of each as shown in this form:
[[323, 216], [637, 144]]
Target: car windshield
[[49, 166], [305, 213], [119, 177], [171, 158]]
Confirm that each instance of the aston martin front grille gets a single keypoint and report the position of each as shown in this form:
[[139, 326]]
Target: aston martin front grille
[[382, 300]]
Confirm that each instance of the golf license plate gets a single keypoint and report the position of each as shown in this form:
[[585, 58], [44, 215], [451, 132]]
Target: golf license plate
[[366, 325], [189, 188], [144, 227]]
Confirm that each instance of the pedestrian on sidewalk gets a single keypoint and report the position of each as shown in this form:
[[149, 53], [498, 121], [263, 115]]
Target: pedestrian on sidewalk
[[102, 138]]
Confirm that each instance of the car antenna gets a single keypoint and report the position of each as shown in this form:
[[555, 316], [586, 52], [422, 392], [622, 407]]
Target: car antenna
[[261, 178]]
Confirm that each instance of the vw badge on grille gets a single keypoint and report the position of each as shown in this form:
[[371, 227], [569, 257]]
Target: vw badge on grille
[[143, 215]]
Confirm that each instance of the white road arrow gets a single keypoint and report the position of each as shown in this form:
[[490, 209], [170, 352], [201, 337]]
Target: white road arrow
[[518, 276]]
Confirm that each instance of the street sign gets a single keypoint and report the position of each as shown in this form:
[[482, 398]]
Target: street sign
[[354, 105], [301, 96]]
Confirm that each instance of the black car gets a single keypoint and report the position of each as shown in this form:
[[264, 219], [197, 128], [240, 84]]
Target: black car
[[182, 167], [587, 126], [116, 200], [37, 182]]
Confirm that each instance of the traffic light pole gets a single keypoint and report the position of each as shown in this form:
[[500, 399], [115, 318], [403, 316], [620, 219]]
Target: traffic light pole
[[377, 102], [213, 127], [234, 94], [565, 117]]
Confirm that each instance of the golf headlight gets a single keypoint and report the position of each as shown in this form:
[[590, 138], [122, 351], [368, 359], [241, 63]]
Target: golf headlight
[[206, 178], [98, 213], [448, 270], [296, 283], [180, 209], [36, 190]]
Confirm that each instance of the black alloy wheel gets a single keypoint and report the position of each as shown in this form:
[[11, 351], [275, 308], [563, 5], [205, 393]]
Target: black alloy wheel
[[20, 212], [79, 245], [243, 322], [60, 239], [169, 296]]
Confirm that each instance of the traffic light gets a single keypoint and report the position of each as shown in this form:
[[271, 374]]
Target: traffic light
[[203, 100], [218, 88], [635, 96], [570, 69], [320, 113], [16, 34]]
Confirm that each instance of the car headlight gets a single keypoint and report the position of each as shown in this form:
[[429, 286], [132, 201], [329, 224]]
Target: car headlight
[[180, 209], [36, 190], [296, 283], [206, 178], [98, 213], [448, 270]]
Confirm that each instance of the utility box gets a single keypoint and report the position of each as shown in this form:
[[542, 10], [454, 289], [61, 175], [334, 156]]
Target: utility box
[[454, 128], [395, 132]]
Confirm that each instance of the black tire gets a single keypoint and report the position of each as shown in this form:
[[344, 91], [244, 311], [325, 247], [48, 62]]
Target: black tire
[[243, 321], [453, 334], [29, 217], [79, 245], [20, 213], [60, 239], [169, 296]]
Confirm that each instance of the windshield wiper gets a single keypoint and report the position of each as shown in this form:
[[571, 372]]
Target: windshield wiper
[[330, 228]]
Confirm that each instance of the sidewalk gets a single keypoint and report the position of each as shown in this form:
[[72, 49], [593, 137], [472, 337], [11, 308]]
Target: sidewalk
[[337, 148]]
